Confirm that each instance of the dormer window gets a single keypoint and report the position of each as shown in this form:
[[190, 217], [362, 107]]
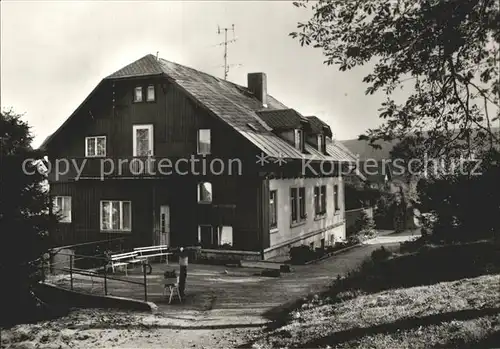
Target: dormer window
[[320, 143], [299, 140], [150, 97], [138, 94]]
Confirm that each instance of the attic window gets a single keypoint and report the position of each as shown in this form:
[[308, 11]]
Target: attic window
[[252, 126], [320, 143]]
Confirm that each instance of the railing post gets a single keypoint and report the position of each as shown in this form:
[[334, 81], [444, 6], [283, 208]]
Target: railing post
[[71, 270], [145, 281]]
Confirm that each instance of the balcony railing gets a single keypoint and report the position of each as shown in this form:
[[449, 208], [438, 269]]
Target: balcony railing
[[147, 166]]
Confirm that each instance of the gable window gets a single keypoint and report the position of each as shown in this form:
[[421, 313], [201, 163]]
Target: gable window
[[150, 95], [336, 197], [116, 215], [143, 140], [95, 146], [62, 207], [204, 141], [273, 209], [320, 200], [138, 94], [205, 192], [299, 140]]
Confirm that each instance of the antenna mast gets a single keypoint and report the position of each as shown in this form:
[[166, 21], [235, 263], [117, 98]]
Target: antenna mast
[[225, 42]]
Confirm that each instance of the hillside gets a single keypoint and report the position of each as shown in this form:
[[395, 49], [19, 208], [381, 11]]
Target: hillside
[[365, 151]]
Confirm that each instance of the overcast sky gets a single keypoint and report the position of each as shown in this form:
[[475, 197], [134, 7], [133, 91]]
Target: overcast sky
[[54, 53]]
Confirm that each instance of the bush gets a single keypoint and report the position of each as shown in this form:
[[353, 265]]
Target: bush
[[364, 228], [465, 206]]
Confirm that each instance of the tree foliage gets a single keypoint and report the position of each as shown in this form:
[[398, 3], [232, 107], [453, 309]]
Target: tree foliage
[[446, 52], [24, 218], [466, 205]]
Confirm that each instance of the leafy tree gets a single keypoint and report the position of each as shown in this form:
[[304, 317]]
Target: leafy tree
[[24, 219], [445, 52], [465, 203]]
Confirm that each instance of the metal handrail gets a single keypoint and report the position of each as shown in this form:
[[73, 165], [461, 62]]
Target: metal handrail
[[86, 273], [87, 243]]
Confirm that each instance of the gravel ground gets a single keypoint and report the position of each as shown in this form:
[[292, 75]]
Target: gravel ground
[[108, 328]]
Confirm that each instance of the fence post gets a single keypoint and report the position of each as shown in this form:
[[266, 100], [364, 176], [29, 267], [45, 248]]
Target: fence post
[[43, 270], [106, 278], [145, 281], [71, 270]]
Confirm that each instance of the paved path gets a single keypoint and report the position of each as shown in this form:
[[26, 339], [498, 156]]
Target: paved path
[[221, 297], [244, 300]]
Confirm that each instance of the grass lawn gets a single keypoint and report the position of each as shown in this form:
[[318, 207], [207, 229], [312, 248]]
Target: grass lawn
[[381, 306]]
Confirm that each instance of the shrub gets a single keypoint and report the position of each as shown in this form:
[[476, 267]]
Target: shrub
[[364, 228]]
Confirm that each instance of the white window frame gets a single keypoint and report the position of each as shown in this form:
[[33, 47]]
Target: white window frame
[[275, 207], [298, 140], [200, 185], [321, 197], [301, 201], [151, 138], [142, 94], [198, 141], [94, 138], [294, 205], [211, 233], [321, 140], [219, 235], [64, 203], [111, 215], [148, 99]]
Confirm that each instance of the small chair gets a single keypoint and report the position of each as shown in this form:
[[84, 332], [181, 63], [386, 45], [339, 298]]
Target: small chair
[[172, 287]]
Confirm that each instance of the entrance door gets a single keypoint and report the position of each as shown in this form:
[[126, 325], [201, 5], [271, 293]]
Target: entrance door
[[164, 234]]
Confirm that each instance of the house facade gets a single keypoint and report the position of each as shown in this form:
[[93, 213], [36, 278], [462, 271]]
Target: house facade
[[160, 153]]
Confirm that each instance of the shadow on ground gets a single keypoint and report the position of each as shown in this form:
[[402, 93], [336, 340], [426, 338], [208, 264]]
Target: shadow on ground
[[401, 325]]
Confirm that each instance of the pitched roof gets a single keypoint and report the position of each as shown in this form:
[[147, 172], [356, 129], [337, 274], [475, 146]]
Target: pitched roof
[[282, 118], [232, 103]]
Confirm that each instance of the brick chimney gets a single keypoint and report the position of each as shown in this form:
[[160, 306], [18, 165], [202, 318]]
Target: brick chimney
[[257, 84]]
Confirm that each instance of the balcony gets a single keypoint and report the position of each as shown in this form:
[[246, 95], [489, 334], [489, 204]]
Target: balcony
[[101, 168], [140, 167]]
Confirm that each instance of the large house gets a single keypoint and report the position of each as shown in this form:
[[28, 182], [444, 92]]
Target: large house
[[160, 153]]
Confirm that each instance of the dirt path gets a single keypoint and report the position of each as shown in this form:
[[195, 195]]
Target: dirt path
[[227, 312]]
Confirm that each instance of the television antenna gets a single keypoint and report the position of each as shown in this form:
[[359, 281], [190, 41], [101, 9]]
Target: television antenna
[[225, 42]]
